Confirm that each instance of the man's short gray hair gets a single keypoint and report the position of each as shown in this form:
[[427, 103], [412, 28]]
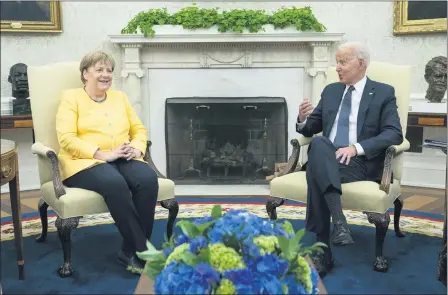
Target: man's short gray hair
[[362, 52]]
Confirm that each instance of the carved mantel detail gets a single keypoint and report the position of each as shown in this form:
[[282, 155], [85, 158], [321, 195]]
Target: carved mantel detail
[[218, 58]]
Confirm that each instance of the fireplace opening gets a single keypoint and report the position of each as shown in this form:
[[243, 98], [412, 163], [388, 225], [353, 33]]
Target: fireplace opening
[[225, 140]]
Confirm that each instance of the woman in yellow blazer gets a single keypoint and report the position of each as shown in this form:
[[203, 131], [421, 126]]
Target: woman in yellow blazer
[[102, 144]]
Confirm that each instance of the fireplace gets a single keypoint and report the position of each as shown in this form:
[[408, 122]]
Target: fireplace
[[224, 140], [178, 63]]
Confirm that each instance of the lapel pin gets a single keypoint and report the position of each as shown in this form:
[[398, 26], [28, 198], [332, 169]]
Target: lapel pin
[[371, 93]]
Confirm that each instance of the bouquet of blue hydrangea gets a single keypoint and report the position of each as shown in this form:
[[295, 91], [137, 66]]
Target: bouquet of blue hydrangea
[[232, 253]]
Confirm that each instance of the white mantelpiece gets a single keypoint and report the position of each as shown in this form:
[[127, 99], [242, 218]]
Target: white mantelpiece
[[174, 47], [178, 62]]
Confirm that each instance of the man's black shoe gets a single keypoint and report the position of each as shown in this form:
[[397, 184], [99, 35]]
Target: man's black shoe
[[323, 262], [131, 261], [341, 235]]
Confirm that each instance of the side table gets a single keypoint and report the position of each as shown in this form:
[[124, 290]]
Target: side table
[[10, 174]]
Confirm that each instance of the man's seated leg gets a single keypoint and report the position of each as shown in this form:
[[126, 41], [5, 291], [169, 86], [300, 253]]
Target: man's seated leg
[[355, 170], [324, 183], [322, 172], [324, 175], [318, 221], [341, 233]]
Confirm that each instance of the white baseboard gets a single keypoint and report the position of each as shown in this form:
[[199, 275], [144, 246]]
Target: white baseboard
[[222, 190], [419, 170], [422, 184], [23, 188]]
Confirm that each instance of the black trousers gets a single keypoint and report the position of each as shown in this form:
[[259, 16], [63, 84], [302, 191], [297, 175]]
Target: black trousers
[[324, 173], [130, 190]]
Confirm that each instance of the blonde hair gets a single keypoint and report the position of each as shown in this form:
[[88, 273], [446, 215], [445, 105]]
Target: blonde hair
[[92, 59]]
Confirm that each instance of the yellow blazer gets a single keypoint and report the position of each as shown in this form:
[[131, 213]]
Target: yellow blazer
[[83, 126]]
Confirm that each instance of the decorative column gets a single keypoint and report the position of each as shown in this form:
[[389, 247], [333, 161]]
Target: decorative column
[[131, 74], [318, 69]]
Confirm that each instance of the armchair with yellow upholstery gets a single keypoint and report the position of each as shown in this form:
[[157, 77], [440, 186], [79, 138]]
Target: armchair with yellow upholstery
[[46, 83], [367, 196]]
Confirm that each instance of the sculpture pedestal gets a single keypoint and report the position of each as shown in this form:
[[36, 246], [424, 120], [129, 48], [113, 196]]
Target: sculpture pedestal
[[21, 107]]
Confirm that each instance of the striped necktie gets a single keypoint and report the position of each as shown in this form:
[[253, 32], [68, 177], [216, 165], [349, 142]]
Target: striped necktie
[[342, 131]]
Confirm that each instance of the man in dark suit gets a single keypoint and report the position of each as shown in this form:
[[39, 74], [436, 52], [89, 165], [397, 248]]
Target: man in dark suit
[[358, 119]]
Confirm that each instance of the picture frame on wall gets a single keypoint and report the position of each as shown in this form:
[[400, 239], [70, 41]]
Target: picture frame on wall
[[415, 17], [31, 16]]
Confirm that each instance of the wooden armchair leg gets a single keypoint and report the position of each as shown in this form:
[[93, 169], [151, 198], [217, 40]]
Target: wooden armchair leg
[[381, 222], [271, 206], [173, 210], [64, 227], [43, 206], [398, 203]]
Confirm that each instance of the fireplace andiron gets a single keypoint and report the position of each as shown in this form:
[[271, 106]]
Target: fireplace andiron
[[191, 171], [264, 170]]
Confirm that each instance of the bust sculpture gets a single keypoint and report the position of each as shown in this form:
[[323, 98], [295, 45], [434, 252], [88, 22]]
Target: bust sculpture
[[435, 75], [18, 77]]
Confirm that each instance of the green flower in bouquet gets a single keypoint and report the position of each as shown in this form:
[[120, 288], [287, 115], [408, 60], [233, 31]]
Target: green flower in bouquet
[[177, 252], [268, 244], [303, 273], [226, 287], [223, 258]]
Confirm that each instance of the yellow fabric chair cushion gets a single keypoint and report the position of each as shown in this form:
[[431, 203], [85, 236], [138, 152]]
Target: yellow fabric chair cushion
[[79, 202], [359, 196]]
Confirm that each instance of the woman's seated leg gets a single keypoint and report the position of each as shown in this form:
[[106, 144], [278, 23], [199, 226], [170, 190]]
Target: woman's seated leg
[[144, 185], [106, 180]]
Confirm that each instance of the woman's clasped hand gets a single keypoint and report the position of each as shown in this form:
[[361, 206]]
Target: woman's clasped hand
[[123, 151]]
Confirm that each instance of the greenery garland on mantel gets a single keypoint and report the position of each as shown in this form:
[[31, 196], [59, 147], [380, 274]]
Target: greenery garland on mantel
[[235, 20]]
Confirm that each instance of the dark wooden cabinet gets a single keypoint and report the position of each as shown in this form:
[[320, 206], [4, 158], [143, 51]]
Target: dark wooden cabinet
[[16, 122]]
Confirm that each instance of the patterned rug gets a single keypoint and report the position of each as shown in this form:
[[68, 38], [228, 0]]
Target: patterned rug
[[412, 222], [412, 260]]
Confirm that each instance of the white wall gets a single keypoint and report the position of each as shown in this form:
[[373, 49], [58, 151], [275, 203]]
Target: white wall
[[87, 24]]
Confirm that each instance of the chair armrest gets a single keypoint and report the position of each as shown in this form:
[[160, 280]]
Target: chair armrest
[[404, 146], [294, 158], [148, 159], [304, 140], [40, 149], [391, 152], [45, 152]]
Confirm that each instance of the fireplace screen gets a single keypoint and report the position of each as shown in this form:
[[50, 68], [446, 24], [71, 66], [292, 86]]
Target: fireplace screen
[[225, 140]]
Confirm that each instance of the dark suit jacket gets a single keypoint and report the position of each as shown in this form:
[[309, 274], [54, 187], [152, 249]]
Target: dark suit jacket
[[378, 121]]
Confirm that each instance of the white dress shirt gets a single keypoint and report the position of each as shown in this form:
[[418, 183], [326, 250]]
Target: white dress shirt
[[353, 119]]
